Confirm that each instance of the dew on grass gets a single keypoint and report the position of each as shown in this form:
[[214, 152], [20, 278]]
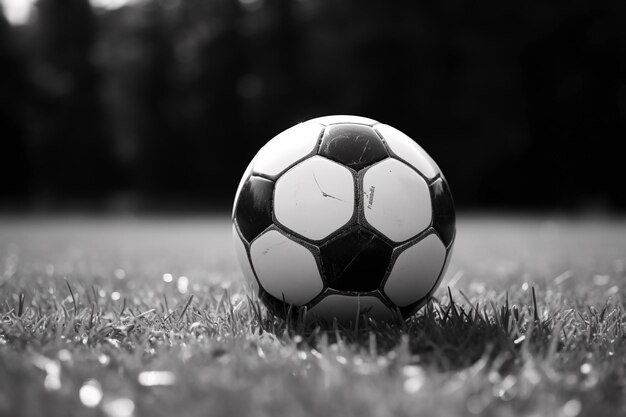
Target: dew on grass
[[90, 393], [182, 284], [260, 352], [601, 280], [156, 378], [412, 370], [571, 408], [52, 382], [226, 358], [585, 368], [415, 378], [493, 377], [532, 376], [115, 296], [113, 342], [506, 390], [103, 359], [197, 326], [11, 261], [119, 273], [64, 355], [365, 368], [52, 368], [119, 407], [316, 354], [167, 277], [563, 277], [237, 299]]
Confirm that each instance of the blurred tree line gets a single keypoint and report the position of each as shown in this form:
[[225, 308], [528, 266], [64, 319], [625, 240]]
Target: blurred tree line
[[162, 103]]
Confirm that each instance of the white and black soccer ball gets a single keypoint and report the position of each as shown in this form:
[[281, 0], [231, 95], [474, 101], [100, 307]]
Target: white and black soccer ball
[[344, 216]]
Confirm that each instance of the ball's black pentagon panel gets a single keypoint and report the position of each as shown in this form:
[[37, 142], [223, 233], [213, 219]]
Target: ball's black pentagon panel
[[253, 212], [443, 211], [346, 308], [355, 261], [356, 146]]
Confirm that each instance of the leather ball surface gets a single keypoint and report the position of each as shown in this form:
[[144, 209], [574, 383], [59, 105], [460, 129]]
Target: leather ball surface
[[340, 216]]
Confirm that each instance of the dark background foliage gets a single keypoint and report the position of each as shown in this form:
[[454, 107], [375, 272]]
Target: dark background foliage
[[162, 103]]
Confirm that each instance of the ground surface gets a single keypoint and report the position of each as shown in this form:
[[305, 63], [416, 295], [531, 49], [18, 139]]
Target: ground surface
[[95, 319]]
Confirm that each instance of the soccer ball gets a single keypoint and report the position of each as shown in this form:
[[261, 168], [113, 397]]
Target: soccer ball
[[343, 216]]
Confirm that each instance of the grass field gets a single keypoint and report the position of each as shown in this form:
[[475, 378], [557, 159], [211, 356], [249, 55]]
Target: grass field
[[149, 317]]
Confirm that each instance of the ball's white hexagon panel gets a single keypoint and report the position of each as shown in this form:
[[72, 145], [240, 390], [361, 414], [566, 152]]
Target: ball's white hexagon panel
[[345, 308], [416, 271], [396, 200], [405, 148], [287, 148], [242, 257], [242, 181], [330, 120], [315, 198], [285, 269]]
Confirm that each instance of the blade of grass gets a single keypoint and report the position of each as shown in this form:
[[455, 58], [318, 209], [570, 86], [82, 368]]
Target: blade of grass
[[67, 282]]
